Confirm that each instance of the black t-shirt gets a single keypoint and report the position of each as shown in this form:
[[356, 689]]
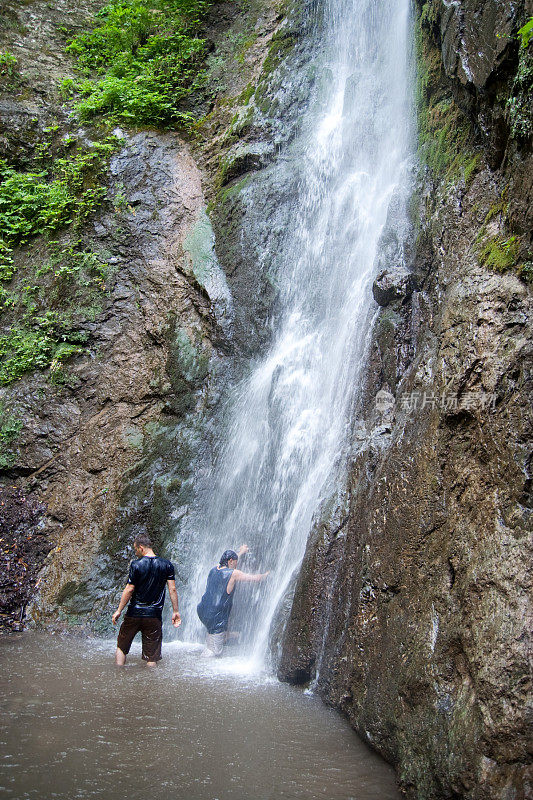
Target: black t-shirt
[[149, 575]]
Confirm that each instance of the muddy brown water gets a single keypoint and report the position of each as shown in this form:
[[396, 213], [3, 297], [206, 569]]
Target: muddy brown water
[[74, 726]]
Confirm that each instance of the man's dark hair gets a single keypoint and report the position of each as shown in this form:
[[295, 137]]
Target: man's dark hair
[[228, 555], [142, 540]]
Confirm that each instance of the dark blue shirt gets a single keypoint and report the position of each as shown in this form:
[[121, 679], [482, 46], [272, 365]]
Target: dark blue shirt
[[149, 576], [215, 606]]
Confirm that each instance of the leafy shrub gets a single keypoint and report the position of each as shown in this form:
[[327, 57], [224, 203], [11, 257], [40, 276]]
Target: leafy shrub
[[33, 203], [26, 348], [10, 78], [526, 32], [30, 205], [53, 296], [8, 64], [7, 268], [148, 59]]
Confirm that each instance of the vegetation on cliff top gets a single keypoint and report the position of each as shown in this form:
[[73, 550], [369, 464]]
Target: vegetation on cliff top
[[141, 61], [139, 64]]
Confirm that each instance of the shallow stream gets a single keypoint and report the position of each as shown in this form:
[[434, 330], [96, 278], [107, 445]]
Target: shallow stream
[[73, 727]]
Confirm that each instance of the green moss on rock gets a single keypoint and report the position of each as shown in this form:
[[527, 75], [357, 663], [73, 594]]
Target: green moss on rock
[[444, 131], [280, 46], [500, 254]]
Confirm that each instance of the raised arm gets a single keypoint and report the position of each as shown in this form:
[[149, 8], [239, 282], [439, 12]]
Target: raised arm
[[176, 618], [247, 577], [124, 600], [244, 577]]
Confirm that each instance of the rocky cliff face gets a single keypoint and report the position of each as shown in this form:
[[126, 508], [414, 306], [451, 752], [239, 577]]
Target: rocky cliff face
[[412, 611], [146, 374], [109, 443]]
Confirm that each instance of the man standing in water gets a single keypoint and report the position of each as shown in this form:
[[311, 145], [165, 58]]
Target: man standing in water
[[215, 606], [145, 592]]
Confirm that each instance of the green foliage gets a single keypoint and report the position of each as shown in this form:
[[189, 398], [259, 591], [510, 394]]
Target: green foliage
[[430, 14], [148, 58], [51, 303], [73, 264], [120, 201], [281, 45], [33, 203], [526, 32], [7, 267], [470, 166], [30, 205], [10, 428], [8, 64], [54, 288], [52, 293], [525, 271], [240, 43], [246, 94], [500, 254], [25, 349], [10, 77]]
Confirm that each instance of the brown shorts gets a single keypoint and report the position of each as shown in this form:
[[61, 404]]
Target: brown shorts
[[151, 632]]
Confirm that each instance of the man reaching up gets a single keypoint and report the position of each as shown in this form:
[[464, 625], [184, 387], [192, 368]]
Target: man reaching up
[[215, 606], [145, 592]]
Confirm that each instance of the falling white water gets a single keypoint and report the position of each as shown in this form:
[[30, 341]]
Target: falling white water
[[289, 420]]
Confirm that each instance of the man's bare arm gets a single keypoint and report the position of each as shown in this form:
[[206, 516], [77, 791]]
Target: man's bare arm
[[247, 578], [176, 618], [244, 577], [124, 600]]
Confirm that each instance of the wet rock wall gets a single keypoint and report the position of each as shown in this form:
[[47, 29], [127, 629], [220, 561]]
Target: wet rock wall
[[119, 446], [146, 374], [412, 612]]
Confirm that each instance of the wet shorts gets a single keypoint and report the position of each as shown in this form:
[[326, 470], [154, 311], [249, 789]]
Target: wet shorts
[[151, 632]]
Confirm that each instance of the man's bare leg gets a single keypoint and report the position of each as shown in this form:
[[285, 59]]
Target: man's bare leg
[[120, 658], [214, 643]]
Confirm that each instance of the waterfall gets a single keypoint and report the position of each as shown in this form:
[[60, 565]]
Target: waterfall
[[288, 421]]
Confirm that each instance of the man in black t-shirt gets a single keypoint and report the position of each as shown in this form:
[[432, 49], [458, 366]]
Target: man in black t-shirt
[[145, 592]]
